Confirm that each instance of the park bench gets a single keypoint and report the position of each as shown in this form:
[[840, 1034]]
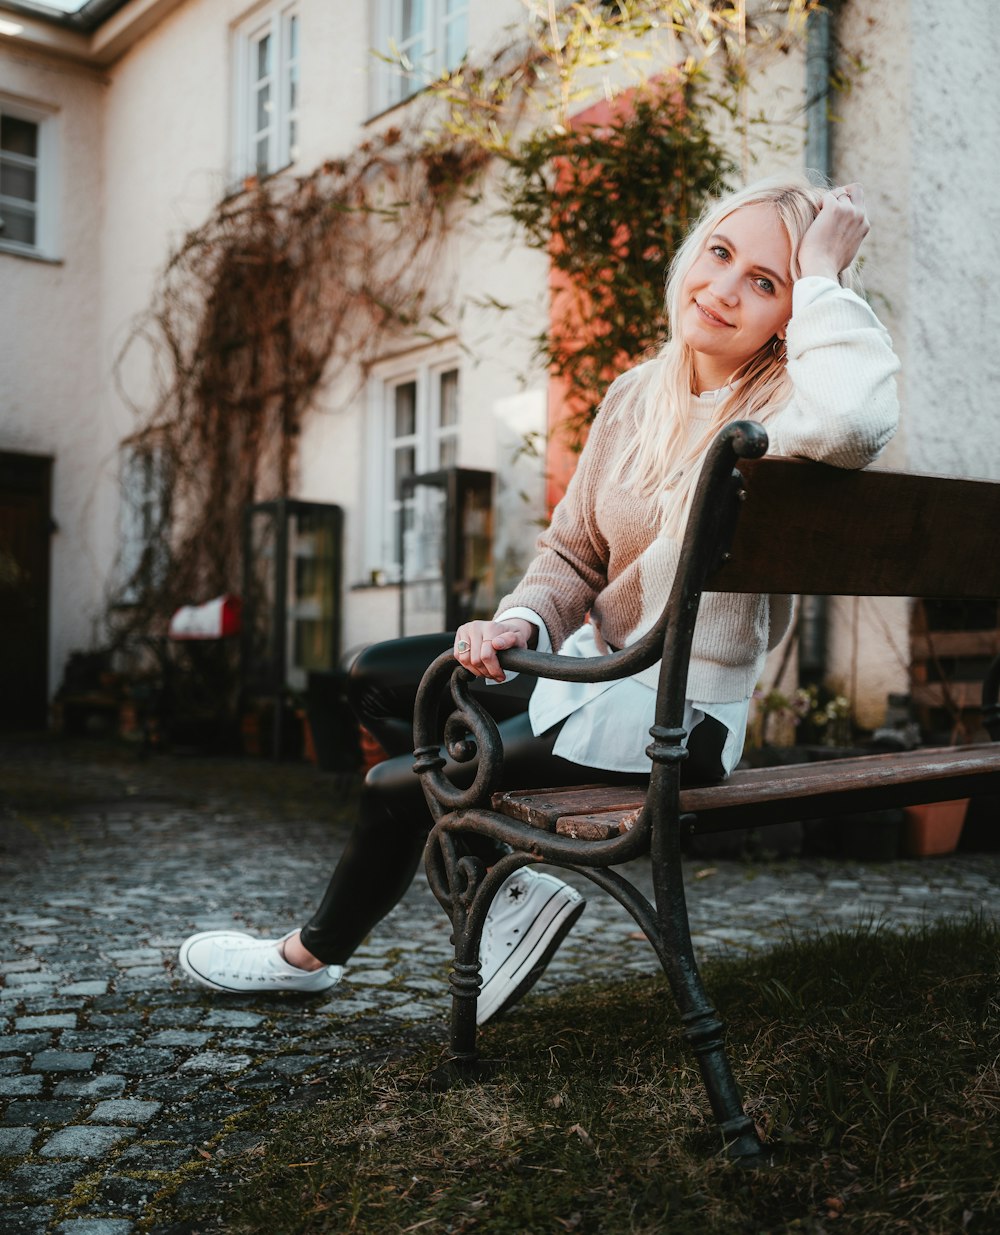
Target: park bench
[[757, 525]]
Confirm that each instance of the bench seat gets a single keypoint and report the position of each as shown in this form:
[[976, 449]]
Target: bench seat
[[760, 796]]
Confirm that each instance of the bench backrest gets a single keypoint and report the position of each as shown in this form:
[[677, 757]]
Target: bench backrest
[[808, 528]]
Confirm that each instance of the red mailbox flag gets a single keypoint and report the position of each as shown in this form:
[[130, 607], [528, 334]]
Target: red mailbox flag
[[215, 620]]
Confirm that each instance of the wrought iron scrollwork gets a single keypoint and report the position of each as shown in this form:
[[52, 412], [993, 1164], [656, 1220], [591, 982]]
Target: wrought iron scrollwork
[[468, 730]]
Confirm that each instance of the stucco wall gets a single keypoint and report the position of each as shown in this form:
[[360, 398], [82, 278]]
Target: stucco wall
[[867, 641], [920, 127], [953, 310], [165, 148], [50, 376]]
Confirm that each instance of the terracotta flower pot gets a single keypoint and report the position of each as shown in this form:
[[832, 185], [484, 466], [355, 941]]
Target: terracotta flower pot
[[934, 828], [371, 751]]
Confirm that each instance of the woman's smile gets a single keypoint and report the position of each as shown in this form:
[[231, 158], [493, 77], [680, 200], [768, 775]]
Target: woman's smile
[[711, 316]]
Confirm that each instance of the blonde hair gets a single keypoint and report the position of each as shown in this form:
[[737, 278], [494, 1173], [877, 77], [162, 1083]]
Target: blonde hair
[[666, 462]]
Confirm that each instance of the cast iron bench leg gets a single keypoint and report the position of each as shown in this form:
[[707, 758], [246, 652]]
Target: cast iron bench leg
[[465, 975], [702, 1026]]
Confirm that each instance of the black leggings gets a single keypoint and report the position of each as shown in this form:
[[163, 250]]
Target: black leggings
[[385, 846]]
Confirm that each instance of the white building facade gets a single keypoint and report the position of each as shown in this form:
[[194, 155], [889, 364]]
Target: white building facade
[[123, 126]]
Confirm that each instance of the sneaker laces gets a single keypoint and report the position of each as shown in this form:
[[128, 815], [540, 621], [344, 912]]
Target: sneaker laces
[[247, 960]]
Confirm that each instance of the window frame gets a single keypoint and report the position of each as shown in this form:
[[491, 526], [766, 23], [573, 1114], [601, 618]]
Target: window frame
[[382, 504], [273, 21], [389, 85], [46, 200], [143, 557]]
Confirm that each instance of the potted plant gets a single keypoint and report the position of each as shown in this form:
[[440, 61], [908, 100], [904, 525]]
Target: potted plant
[[933, 828]]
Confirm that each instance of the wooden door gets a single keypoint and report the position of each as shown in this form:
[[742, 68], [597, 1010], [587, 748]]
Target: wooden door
[[25, 527]]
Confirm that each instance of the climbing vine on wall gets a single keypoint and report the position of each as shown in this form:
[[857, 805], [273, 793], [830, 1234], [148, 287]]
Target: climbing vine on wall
[[611, 202], [303, 279], [286, 285]]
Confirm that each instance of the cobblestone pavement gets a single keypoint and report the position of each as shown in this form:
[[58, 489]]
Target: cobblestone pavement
[[123, 1086]]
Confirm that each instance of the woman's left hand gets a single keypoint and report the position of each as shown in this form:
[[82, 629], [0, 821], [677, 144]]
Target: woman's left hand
[[832, 241]]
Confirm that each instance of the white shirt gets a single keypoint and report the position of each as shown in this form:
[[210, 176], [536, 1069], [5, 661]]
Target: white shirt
[[607, 723]]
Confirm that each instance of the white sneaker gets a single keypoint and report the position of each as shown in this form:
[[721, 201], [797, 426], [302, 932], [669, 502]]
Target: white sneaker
[[236, 963], [529, 918]]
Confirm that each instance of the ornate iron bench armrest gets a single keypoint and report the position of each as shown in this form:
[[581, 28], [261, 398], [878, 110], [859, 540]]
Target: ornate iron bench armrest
[[469, 728]]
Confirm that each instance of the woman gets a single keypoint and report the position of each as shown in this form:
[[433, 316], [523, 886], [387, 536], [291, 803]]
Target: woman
[[764, 325]]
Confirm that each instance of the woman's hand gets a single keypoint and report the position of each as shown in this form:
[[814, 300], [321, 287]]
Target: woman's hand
[[477, 644], [832, 241]]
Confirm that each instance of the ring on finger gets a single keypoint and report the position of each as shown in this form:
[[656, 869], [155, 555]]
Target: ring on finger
[[462, 646]]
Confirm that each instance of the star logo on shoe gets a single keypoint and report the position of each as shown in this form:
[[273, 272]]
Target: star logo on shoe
[[523, 928]]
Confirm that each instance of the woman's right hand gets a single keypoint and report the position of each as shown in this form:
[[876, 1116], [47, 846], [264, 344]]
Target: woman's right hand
[[482, 641]]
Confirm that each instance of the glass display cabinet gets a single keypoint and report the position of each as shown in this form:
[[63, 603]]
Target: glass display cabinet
[[445, 549], [291, 605]]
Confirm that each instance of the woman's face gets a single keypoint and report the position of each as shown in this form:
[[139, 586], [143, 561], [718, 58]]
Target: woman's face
[[738, 293]]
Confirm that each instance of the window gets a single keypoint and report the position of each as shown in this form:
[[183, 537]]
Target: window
[[415, 414], [415, 40], [26, 197], [143, 556], [267, 92]]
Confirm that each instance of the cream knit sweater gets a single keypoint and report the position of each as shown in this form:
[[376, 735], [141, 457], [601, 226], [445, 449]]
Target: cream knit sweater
[[602, 553]]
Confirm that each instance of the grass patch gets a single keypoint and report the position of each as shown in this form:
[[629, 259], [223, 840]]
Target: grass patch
[[870, 1057]]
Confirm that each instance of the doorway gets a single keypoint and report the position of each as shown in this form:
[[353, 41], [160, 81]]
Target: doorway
[[25, 528]]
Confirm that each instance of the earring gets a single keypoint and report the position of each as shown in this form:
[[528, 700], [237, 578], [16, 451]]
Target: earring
[[778, 347]]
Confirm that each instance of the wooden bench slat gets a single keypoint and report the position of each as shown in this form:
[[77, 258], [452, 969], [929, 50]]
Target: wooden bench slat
[[598, 826], [542, 808], [805, 780], [760, 796], [844, 786], [905, 523]]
